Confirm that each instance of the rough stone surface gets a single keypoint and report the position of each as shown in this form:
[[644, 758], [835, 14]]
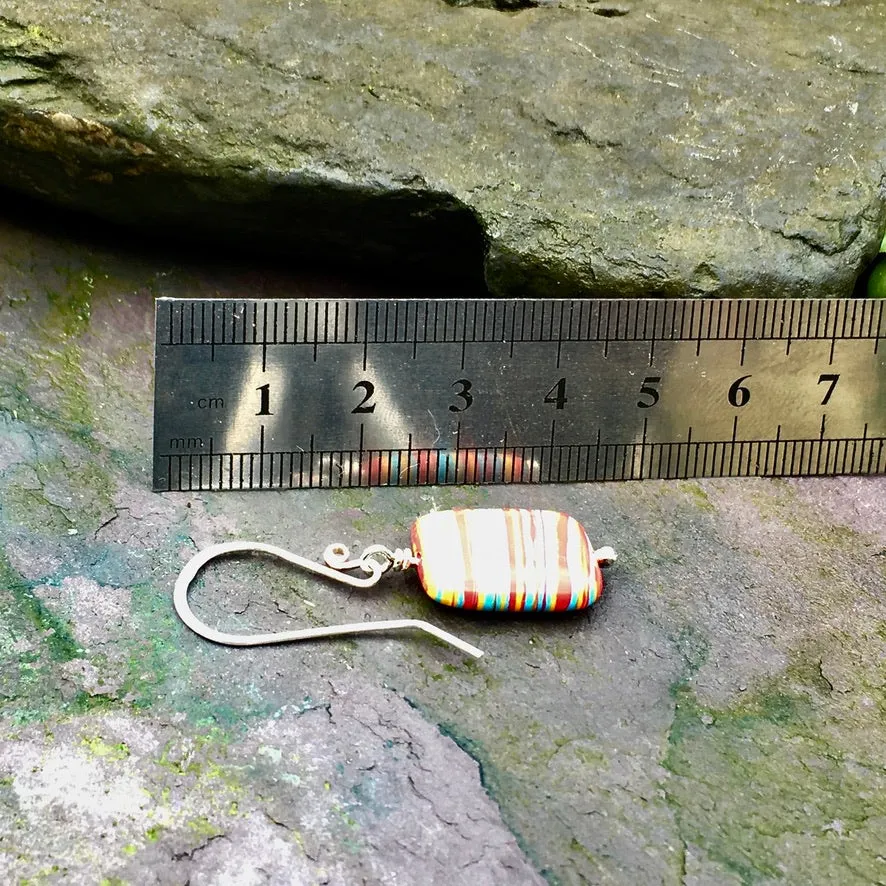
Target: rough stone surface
[[352, 789], [670, 147], [718, 718]]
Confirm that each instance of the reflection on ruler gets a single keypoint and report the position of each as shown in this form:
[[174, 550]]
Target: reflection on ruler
[[295, 393]]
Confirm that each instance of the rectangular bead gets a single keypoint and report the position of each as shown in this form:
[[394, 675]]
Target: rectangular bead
[[506, 559]]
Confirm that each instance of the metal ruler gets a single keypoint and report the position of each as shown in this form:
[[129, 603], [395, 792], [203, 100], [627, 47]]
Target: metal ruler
[[294, 393]]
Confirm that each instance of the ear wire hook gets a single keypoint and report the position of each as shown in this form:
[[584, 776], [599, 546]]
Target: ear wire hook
[[376, 560]]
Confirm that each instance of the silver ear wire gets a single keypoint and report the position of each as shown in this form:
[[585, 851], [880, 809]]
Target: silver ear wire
[[375, 560]]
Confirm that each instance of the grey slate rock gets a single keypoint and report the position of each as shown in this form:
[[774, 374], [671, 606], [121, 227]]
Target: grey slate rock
[[579, 147]]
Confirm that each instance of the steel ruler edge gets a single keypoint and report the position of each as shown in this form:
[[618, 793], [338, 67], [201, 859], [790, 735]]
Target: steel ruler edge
[[329, 393]]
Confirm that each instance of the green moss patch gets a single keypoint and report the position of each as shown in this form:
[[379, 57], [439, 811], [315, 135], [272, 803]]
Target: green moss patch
[[765, 792]]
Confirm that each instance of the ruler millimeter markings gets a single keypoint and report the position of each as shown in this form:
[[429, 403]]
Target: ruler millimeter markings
[[305, 393]]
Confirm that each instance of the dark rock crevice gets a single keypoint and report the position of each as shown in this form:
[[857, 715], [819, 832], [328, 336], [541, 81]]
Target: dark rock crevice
[[298, 217], [604, 10]]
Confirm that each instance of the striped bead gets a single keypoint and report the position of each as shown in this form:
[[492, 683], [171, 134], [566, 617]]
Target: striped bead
[[426, 466], [506, 559]]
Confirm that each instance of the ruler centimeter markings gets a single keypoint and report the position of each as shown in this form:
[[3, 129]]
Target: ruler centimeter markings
[[319, 393]]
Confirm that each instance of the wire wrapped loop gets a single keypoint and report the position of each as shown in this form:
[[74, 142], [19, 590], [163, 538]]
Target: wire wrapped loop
[[375, 560]]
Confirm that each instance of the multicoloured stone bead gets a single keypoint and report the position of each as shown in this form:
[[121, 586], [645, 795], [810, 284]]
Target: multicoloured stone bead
[[506, 559]]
